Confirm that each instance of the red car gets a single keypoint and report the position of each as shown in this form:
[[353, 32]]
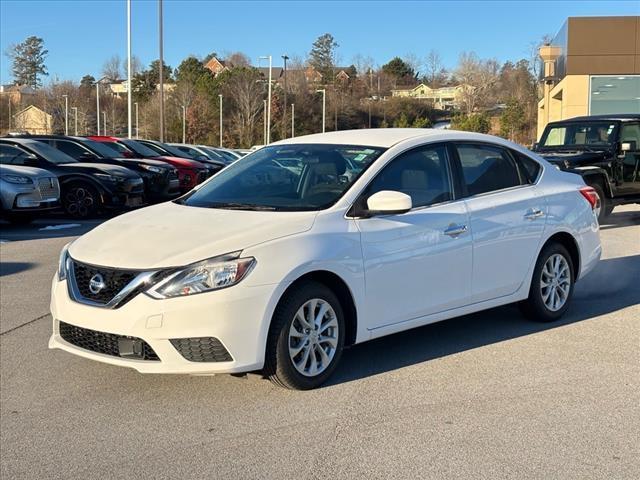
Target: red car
[[190, 172]]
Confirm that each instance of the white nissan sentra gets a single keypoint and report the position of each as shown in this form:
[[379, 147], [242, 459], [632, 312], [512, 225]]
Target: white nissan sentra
[[315, 243]]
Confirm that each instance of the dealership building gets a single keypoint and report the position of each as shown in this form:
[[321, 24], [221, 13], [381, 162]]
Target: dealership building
[[591, 67]]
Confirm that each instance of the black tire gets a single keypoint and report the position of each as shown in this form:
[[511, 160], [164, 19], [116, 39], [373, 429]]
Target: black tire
[[279, 367], [534, 307], [80, 200], [605, 203]]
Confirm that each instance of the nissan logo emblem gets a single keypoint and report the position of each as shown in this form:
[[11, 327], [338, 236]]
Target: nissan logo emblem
[[96, 284]]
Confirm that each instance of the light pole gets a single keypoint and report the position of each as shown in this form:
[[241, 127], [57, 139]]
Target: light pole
[[98, 107], [66, 114], [104, 123], [129, 100], [264, 122], [220, 98], [284, 110], [293, 120], [75, 120], [161, 83], [137, 129], [268, 135], [324, 107], [184, 124]]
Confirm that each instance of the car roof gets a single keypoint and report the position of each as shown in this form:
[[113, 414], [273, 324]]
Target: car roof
[[611, 116], [21, 140], [385, 137]]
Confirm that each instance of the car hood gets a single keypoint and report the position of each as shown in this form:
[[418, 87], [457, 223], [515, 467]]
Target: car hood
[[169, 235], [97, 167], [31, 172], [180, 162], [574, 158]]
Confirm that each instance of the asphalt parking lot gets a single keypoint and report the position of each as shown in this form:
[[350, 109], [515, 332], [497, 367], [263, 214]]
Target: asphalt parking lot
[[489, 395]]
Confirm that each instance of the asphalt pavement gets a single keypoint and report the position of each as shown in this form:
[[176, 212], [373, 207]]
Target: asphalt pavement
[[488, 395]]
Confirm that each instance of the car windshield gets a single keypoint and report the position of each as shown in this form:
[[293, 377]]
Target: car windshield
[[214, 154], [579, 134], [286, 177], [100, 148], [49, 153], [139, 148], [171, 150]]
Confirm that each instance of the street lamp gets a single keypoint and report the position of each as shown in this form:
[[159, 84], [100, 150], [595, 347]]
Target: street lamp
[[268, 135], [98, 107], [184, 124], [264, 122], [66, 114], [324, 107], [293, 120], [104, 123], [284, 110], [220, 97], [137, 130], [129, 68], [75, 120]]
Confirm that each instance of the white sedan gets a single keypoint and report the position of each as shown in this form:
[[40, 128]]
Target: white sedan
[[315, 243]]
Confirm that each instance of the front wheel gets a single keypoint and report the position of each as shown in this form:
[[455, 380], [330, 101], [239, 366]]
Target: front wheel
[[80, 200], [306, 337], [551, 286]]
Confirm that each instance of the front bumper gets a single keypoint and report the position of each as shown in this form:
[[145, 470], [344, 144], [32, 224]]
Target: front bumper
[[238, 317], [125, 194]]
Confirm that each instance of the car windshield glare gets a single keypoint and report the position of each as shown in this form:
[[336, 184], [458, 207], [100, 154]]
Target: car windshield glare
[[582, 134], [286, 177]]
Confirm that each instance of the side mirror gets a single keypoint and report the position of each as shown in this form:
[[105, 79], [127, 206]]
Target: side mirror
[[31, 161], [629, 146], [535, 146], [388, 202], [87, 156]]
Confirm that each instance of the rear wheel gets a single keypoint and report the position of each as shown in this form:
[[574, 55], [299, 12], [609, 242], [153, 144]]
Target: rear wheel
[[80, 200], [306, 338], [551, 286]]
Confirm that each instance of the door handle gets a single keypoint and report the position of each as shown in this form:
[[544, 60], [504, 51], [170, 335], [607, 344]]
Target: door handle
[[533, 213], [455, 230]]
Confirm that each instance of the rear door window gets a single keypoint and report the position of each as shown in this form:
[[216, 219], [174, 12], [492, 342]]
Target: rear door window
[[486, 168]]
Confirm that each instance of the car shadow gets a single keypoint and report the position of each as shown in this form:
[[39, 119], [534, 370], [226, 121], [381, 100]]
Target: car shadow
[[607, 289], [46, 228], [10, 268], [621, 219]]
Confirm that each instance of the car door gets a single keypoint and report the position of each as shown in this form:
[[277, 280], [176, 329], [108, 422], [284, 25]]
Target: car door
[[419, 262], [630, 132], [507, 218]]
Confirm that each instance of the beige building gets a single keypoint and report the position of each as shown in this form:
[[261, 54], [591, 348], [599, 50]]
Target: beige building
[[444, 98], [33, 120], [591, 67]]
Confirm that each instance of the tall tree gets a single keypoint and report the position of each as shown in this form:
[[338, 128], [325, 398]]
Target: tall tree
[[478, 77], [111, 68], [436, 74], [28, 61], [399, 70], [322, 55]]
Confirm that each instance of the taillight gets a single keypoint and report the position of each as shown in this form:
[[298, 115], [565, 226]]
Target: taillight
[[591, 195]]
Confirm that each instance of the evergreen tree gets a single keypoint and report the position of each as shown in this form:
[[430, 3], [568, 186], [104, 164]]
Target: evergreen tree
[[28, 61], [322, 55]]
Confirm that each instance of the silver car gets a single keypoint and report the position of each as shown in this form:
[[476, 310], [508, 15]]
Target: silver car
[[27, 191]]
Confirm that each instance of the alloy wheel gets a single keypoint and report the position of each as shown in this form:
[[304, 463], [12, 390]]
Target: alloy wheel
[[313, 337], [555, 282], [79, 201]]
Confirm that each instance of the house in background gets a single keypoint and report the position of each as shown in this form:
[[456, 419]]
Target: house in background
[[215, 66], [591, 67], [33, 120], [17, 94], [444, 98]]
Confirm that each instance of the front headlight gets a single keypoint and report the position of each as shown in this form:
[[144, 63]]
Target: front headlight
[[109, 178], [62, 262], [151, 168], [17, 179], [212, 274]]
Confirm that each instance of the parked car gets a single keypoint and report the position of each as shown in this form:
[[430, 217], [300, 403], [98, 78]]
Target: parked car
[[164, 148], [263, 268], [86, 188], [160, 179], [241, 151], [190, 172], [26, 192], [604, 150], [229, 154], [201, 153]]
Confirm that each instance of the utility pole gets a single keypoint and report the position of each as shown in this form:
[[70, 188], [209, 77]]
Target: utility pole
[[293, 120], [129, 100], [184, 124], [75, 120], [268, 135], [324, 107], [104, 125], [137, 129], [9, 113], [98, 107], [161, 83], [284, 110], [66, 114], [264, 122], [220, 98]]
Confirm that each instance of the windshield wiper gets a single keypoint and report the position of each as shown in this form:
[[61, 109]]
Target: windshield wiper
[[240, 206]]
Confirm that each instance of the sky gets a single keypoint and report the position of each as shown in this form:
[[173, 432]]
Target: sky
[[82, 35]]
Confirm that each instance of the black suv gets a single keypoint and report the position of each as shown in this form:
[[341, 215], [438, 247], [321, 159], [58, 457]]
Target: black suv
[[160, 179], [85, 188], [603, 149]]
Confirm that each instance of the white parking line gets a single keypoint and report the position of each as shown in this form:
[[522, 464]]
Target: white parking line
[[60, 227]]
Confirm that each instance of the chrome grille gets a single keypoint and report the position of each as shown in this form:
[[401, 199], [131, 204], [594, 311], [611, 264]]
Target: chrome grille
[[49, 188]]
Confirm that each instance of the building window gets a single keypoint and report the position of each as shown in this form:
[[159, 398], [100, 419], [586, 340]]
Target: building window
[[615, 94]]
